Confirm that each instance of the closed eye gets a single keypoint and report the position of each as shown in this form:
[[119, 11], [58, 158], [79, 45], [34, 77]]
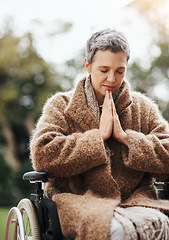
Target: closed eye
[[104, 71], [120, 72]]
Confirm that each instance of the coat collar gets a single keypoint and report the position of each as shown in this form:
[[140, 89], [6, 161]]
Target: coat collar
[[78, 111], [125, 99]]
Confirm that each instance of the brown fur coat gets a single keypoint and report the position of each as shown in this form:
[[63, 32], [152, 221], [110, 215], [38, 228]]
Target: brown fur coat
[[89, 179]]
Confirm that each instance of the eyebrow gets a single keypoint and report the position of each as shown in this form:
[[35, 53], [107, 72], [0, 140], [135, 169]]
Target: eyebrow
[[103, 67], [109, 67]]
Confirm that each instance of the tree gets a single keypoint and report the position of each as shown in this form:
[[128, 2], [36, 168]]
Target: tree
[[25, 83], [154, 79]]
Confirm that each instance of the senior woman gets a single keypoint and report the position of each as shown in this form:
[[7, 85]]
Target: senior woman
[[102, 145]]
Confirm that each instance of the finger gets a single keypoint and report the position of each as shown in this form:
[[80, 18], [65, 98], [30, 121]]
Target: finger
[[107, 105], [109, 101], [112, 101], [106, 99], [110, 95], [113, 107], [107, 95]]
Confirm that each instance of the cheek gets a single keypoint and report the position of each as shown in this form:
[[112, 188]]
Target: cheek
[[120, 78], [119, 81], [96, 79]]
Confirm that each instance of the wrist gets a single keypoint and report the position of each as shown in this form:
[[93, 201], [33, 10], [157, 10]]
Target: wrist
[[103, 136], [124, 139]]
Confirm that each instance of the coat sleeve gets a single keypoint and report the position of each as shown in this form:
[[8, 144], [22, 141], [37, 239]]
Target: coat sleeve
[[149, 152], [62, 154]]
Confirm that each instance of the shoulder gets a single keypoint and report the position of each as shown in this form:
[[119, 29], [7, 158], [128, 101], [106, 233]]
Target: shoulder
[[147, 107], [142, 100], [59, 100]]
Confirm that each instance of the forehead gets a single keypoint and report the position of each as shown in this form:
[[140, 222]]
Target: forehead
[[110, 59]]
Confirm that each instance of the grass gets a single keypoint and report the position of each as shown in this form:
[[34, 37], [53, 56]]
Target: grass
[[3, 217]]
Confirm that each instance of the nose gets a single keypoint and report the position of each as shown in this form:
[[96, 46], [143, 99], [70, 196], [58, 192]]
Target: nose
[[111, 77]]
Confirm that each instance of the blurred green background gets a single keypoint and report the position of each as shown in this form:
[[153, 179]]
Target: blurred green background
[[27, 80]]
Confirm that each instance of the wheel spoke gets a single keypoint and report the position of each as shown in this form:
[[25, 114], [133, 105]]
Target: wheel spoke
[[27, 224], [22, 222], [18, 232]]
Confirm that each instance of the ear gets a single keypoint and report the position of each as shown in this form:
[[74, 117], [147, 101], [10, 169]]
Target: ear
[[87, 65]]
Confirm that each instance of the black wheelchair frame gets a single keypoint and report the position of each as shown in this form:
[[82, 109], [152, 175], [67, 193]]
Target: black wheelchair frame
[[45, 208]]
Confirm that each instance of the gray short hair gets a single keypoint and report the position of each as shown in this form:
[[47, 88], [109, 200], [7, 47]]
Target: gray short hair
[[107, 39]]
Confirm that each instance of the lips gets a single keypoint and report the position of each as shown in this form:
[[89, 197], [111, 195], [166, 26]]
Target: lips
[[109, 88]]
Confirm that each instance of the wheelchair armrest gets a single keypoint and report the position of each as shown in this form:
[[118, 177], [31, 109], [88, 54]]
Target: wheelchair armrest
[[163, 188], [34, 176], [166, 181]]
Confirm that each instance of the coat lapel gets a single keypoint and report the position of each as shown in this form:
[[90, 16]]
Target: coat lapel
[[78, 111], [125, 99]]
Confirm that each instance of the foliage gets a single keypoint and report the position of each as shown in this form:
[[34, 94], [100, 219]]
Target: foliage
[[6, 177], [26, 81], [152, 77], [25, 77], [73, 70], [3, 217]]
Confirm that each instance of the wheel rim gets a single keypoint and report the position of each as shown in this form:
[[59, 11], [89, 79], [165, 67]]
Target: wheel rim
[[30, 221], [22, 222], [26, 223], [14, 229]]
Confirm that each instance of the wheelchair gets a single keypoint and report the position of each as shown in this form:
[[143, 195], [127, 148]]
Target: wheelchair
[[37, 218]]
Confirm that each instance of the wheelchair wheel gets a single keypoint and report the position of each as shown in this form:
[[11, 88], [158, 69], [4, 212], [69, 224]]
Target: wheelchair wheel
[[30, 222], [14, 225]]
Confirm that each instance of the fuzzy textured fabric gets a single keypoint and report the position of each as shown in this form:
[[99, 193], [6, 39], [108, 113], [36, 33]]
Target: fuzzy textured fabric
[[88, 180], [143, 223]]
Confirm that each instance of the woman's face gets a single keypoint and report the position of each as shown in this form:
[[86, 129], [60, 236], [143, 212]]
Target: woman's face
[[107, 71]]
